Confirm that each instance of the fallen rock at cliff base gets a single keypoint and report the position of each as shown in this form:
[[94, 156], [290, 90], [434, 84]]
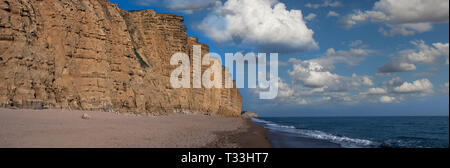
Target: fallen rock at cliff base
[[86, 117], [249, 114]]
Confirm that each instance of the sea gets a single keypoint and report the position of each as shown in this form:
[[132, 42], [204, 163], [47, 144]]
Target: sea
[[357, 132]]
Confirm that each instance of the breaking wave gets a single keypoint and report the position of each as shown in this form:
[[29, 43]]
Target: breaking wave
[[345, 142]]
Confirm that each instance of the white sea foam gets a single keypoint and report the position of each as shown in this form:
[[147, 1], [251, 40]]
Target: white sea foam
[[345, 142]]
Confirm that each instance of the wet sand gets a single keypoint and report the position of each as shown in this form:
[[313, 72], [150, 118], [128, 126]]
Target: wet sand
[[287, 140], [252, 136], [66, 129]]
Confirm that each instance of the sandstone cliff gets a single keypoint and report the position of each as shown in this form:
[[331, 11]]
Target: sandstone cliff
[[92, 55]]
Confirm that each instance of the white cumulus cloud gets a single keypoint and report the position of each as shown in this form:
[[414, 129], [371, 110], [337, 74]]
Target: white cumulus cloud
[[418, 86], [387, 99], [310, 17], [313, 75], [284, 90], [426, 54], [422, 54], [376, 91], [351, 57], [406, 29], [333, 14], [266, 24], [414, 11], [326, 3], [404, 17]]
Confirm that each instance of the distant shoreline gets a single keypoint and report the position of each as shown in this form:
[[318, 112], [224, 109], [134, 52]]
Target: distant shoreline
[[24, 128]]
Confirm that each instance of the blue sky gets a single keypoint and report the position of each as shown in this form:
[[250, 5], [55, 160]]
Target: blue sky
[[375, 57]]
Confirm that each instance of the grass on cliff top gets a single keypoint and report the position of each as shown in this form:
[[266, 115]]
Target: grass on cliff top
[[143, 63]]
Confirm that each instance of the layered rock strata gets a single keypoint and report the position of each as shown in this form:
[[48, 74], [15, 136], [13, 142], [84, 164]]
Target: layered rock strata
[[92, 55]]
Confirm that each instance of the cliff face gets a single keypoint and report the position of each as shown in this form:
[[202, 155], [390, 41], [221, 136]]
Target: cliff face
[[92, 55]]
